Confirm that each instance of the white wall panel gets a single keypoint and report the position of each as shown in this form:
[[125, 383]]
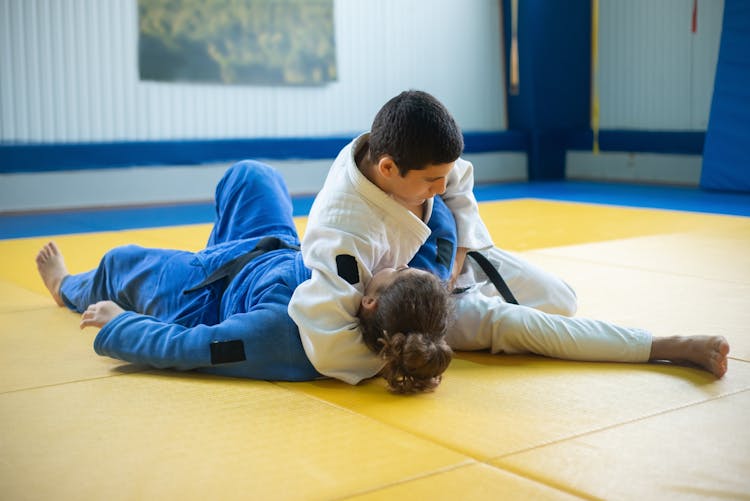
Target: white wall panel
[[69, 73], [654, 73]]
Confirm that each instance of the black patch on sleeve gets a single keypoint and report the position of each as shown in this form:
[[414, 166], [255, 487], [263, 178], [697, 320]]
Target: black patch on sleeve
[[444, 252], [346, 266], [226, 352]]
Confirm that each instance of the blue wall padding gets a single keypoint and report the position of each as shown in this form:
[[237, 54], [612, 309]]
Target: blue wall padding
[[21, 157], [640, 141], [72, 156], [726, 156], [554, 48]]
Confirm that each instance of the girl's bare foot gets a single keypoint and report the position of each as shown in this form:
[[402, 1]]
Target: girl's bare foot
[[708, 352], [52, 269]]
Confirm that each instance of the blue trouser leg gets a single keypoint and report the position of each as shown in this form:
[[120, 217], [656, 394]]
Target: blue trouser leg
[[125, 275], [252, 201], [147, 281]]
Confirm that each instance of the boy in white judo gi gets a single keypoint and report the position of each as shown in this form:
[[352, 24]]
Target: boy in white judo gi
[[371, 213]]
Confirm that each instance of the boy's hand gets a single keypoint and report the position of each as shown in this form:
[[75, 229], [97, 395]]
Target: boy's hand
[[96, 315], [458, 265]]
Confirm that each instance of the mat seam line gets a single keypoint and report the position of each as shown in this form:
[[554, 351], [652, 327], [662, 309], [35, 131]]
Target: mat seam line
[[431, 440], [617, 425], [412, 478], [75, 381], [551, 484], [460, 466]]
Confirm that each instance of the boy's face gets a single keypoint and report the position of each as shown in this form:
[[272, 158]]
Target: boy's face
[[419, 185]]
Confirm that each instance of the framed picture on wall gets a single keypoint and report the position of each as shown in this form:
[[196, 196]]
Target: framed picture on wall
[[240, 42]]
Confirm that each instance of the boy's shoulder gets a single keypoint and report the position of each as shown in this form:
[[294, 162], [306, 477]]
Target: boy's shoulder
[[347, 195]]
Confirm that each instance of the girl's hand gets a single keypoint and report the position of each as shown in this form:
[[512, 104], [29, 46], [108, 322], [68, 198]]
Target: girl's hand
[[97, 315]]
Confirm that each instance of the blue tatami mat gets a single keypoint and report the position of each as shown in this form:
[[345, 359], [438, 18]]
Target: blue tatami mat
[[122, 218], [107, 219], [691, 199]]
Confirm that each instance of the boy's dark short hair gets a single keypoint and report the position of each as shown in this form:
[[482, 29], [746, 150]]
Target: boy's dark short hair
[[416, 130]]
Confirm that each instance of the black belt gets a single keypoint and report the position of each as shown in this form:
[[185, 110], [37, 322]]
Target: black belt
[[231, 268], [494, 276]]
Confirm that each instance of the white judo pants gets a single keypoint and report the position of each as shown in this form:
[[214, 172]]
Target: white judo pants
[[541, 323]]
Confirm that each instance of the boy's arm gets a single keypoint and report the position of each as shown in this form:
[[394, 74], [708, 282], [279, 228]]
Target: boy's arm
[[459, 197], [325, 306], [458, 265]]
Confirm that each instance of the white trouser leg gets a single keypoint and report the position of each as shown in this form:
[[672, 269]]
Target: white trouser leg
[[531, 285], [488, 322]]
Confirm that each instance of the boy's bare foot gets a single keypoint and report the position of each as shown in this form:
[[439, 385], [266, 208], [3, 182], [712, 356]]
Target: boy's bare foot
[[708, 352], [52, 269]]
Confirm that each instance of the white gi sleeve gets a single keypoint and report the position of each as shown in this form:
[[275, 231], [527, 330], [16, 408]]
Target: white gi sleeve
[[325, 306], [459, 197]]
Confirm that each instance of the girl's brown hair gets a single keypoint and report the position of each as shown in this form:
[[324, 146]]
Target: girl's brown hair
[[408, 331]]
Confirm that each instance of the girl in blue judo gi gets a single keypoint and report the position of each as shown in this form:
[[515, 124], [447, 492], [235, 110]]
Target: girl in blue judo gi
[[223, 310]]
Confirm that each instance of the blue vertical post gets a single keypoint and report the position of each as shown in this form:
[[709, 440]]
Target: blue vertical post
[[554, 99], [725, 154]]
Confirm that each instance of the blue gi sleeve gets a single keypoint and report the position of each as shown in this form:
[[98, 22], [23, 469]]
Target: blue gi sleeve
[[261, 344]]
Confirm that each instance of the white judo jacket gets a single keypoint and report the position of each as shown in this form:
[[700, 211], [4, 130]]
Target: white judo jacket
[[354, 230]]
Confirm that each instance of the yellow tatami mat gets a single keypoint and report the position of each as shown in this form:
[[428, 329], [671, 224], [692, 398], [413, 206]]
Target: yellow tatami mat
[[77, 426], [698, 452]]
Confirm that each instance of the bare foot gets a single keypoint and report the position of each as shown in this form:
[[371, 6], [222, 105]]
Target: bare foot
[[708, 352], [52, 269]]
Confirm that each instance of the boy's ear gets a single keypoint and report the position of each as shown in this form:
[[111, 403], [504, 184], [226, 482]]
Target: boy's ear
[[387, 166], [369, 303]]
